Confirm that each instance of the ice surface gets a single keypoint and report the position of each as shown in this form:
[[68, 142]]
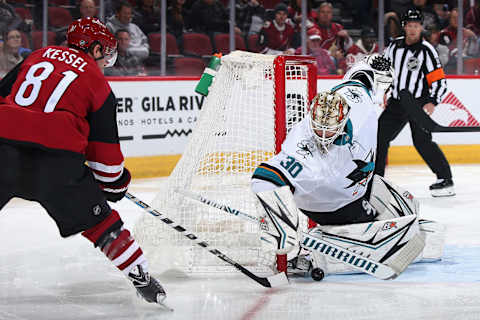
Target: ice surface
[[43, 276]]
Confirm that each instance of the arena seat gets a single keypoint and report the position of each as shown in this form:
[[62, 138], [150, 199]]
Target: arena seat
[[154, 40], [197, 44], [188, 66], [222, 43]]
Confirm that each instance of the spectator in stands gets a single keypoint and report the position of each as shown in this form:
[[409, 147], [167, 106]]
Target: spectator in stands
[[366, 45], [331, 32], [85, 8], [209, 16], [90, 8], [9, 19], [362, 11], [334, 38], [325, 63], [397, 6], [250, 16], [432, 35], [127, 64], [429, 15], [276, 35], [295, 13], [295, 18], [12, 52], [122, 20], [472, 19], [147, 16], [176, 18], [448, 36], [392, 20], [441, 10]]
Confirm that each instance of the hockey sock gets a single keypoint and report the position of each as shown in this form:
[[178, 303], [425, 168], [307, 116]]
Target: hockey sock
[[117, 243]]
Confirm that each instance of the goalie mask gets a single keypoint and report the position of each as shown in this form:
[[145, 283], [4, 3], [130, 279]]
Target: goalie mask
[[375, 71], [328, 115]]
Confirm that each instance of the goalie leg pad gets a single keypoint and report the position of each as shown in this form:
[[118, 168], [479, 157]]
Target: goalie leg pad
[[391, 201], [395, 243], [434, 233]]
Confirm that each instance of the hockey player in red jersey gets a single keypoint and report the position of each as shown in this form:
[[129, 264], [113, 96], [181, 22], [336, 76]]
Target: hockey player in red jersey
[[60, 112]]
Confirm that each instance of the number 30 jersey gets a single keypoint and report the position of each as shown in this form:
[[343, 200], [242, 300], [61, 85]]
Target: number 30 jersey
[[326, 181], [59, 100]]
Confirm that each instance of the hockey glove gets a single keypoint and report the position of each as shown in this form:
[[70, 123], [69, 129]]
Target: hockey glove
[[115, 191]]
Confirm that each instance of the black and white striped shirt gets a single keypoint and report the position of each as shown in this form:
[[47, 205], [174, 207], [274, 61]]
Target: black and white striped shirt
[[417, 68]]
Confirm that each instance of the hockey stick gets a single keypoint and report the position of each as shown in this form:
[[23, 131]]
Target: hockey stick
[[281, 258], [369, 266], [218, 205], [269, 282], [350, 258], [424, 120]]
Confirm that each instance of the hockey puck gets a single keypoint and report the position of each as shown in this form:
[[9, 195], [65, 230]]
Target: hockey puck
[[318, 274]]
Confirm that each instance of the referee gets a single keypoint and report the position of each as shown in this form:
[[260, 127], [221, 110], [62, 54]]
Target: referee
[[418, 70]]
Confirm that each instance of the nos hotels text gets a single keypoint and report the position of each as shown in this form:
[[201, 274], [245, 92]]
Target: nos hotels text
[[149, 105]]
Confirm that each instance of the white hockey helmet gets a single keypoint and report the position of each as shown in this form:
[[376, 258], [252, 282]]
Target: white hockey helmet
[[328, 114], [375, 71]]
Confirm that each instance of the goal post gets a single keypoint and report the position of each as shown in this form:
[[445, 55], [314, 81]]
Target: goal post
[[284, 70], [253, 102]]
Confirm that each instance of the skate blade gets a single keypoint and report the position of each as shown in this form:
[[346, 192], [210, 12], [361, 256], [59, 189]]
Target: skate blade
[[161, 302], [445, 192], [165, 306]]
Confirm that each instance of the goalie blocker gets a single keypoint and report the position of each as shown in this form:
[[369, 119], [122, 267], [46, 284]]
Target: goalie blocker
[[278, 223]]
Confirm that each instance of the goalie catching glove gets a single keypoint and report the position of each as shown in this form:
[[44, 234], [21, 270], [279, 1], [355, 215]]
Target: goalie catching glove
[[115, 191]]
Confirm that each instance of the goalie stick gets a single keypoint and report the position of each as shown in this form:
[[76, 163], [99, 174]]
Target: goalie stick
[[269, 282], [350, 258], [415, 110], [281, 258], [374, 268]]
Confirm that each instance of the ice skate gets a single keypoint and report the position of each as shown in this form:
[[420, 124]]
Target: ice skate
[[148, 287], [299, 266], [442, 188]]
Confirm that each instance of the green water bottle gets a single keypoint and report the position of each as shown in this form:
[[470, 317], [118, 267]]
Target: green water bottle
[[208, 75]]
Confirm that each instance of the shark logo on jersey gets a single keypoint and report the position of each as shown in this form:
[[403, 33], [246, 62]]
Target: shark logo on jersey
[[362, 172], [353, 95], [306, 148]]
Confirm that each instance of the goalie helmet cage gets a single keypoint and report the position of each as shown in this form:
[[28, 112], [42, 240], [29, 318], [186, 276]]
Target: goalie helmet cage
[[252, 103]]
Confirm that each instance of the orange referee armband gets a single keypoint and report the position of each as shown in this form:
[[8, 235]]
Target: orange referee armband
[[435, 75]]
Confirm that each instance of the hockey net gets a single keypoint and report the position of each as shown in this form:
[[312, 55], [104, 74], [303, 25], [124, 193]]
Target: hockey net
[[253, 102]]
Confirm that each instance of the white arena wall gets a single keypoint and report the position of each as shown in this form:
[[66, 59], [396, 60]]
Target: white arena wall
[[155, 116]]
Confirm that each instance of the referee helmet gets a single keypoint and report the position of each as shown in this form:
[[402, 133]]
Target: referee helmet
[[412, 15]]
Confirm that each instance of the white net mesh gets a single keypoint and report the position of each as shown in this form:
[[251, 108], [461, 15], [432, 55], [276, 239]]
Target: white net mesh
[[235, 133]]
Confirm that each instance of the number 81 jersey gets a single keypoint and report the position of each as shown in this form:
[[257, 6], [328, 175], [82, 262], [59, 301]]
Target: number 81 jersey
[[59, 100]]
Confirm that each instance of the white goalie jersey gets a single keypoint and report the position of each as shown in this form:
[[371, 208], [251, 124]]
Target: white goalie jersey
[[326, 181]]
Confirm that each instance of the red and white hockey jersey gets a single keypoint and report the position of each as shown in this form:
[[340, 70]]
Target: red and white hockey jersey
[[60, 101], [357, 52], [329, 34], [275, 37]]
